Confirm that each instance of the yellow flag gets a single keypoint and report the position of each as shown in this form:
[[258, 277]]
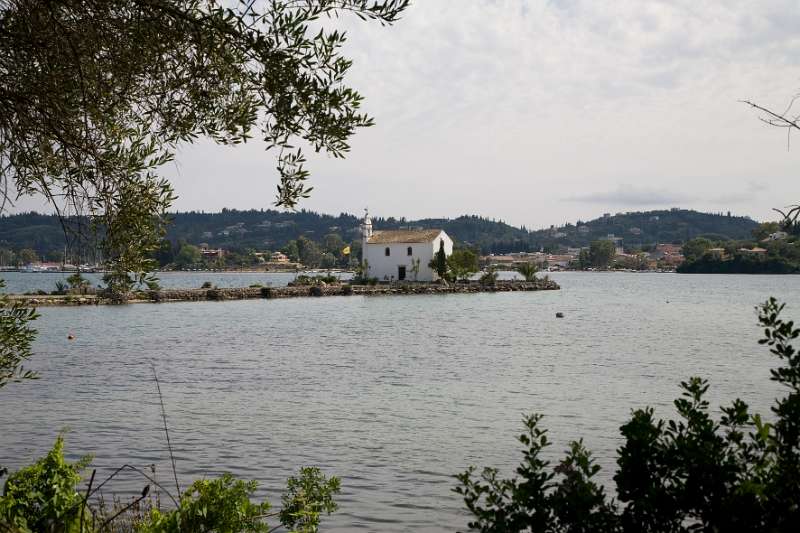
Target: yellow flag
[[346, 250]]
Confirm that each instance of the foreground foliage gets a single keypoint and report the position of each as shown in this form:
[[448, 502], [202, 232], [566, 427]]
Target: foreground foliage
[[695, 473], [45, 497], [16, 336], [221, 504], [96, 96]]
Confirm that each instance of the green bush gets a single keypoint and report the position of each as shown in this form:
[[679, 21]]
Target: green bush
[[43, 496], [77, 283], [221, 504], [61, 288], [462, 263], [225, 505], [528, 271], [691, 474], [304, 280], [488, 278], [307, 497]]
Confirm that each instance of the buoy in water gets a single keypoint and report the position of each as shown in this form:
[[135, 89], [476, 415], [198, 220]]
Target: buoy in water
[[559, 315], [70, 337]]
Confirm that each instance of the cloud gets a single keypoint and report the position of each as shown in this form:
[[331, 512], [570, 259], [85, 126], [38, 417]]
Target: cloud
[[540, 111], [632, 196]]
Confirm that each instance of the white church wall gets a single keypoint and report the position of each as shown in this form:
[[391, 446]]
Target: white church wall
[[384, 267]]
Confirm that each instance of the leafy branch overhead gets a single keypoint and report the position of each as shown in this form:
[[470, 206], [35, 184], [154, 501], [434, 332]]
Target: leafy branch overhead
[[95, 95], [16, 338]]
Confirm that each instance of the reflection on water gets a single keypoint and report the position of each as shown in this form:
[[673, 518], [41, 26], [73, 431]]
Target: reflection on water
[[393, 394]]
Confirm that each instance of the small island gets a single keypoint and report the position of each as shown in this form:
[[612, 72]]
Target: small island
[[307, 287]]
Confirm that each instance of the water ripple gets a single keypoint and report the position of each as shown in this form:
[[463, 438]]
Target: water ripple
[[395, 395]]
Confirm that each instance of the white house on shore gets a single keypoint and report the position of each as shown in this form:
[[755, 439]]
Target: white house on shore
[[401, 254]]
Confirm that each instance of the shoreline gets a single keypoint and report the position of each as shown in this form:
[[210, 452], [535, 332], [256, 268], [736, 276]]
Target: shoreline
[[235, 271], [267, 293]]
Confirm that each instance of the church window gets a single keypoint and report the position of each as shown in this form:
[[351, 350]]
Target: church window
[[387, 252], [410, 251]]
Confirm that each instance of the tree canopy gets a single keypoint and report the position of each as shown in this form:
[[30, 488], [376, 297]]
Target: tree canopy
[[463, 263], [601, 252], [695, 248], [95, 96], [16, 338]]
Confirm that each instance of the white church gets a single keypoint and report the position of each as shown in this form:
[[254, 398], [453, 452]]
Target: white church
[[397, 255]]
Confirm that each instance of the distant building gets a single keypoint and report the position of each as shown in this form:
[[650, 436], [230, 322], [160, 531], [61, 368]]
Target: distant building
[[717, 253], [212, 253], [583, 229], [236, 229], [505, 260], [754, 251], [777, 236], [617, 243], [393, 254], [673, 259], [667, 249], [278, 257], [559, 260], [669, 254], [635, 231]]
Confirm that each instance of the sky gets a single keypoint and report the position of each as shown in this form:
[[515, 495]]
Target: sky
[[546, 112]]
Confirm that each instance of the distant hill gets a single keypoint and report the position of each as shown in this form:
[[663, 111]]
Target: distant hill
[[643, 228], [271, 230]]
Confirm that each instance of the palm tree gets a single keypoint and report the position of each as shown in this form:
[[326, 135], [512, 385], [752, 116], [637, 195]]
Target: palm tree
[[528, 271]]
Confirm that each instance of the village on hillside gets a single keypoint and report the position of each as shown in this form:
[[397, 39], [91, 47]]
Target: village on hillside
[[306, 241]]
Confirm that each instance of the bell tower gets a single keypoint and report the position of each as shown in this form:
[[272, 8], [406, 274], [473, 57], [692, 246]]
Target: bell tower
[[366, 233]]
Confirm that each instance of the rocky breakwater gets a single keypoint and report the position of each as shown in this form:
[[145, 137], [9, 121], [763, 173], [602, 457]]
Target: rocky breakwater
[[317, 290]]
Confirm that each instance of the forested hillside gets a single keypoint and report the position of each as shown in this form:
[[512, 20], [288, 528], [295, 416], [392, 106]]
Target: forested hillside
[[645, 228], [272, 230]]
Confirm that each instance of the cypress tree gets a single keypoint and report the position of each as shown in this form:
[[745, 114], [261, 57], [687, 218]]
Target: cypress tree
[[440, 261]]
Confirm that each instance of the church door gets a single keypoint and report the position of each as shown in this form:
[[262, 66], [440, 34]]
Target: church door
[[401, 273]]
